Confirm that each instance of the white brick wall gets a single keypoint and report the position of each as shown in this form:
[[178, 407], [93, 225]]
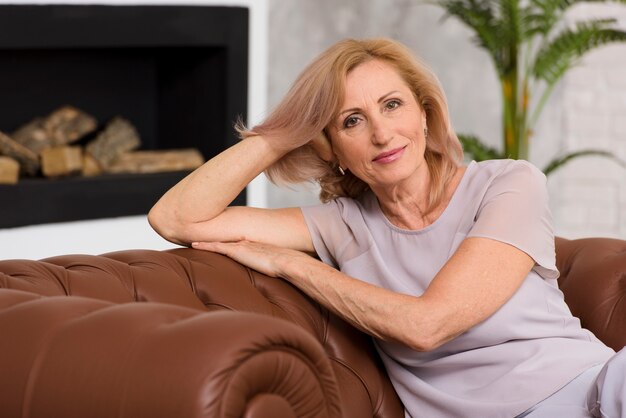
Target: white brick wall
[[589, 194]]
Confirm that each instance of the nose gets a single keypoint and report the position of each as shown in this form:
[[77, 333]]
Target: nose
[[381, 132]]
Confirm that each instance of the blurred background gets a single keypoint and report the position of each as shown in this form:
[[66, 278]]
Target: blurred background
[[587, 109]]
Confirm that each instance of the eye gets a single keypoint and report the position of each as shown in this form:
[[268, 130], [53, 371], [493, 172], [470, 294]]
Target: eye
[[392, 104], [350, 121]]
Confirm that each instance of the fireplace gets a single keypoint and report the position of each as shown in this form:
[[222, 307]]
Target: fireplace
[[178, 73]]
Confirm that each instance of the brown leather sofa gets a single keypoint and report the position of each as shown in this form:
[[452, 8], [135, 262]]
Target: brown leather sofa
[[215, 339]]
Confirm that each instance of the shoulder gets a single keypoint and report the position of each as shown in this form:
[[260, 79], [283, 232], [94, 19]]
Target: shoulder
[[511, 168], [494, 178], [513, 186], [504, 175]]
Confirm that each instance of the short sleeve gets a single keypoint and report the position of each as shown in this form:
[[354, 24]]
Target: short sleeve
[[338, 230], [515, 210], [326, 228]]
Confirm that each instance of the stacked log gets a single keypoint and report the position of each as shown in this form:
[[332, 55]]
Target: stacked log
[[9, 170], [156, 161], [61, 161], [61, 127], [27, 159], [47, 145], [119, 137]]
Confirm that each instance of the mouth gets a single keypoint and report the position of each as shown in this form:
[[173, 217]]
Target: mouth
[[389, 156]]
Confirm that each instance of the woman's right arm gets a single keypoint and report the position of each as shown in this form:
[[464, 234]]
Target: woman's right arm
[[196, 209]]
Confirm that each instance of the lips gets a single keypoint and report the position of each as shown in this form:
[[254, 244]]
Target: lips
[[389, 156]]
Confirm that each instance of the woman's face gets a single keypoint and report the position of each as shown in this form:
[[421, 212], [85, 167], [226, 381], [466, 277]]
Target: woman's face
[[379, 131]]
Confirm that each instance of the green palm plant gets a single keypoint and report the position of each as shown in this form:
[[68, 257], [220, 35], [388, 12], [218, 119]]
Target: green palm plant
[[531, 50]]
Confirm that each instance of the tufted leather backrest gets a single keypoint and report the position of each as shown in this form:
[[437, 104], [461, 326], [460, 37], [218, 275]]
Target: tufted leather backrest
[[204, 281], [185, 284]]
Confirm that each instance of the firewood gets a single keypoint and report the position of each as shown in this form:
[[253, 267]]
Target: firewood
[[28, 160], [118, 137], [157, 161], [33, 135], [9, 170], [91, 167], [61, 127], [61, 161], [68, 124]]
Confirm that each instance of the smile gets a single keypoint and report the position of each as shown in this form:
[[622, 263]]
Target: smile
[[389, 156]]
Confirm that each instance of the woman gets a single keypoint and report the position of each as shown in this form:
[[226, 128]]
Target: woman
[[450, 268]]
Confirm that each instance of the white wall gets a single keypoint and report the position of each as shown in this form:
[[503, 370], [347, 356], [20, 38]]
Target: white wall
[[96, 237], [83, 237]]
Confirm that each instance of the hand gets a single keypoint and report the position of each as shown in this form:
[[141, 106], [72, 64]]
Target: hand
[[267, 259], [321, 144]]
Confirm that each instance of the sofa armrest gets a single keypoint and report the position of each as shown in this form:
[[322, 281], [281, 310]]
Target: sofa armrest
[[80, 357], [364, 385], [206, 281], [593, 280]]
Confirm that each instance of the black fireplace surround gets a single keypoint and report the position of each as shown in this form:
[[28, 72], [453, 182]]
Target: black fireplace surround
[[178, 73]]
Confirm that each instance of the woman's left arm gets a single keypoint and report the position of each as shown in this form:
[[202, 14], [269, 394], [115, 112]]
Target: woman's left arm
[[477, 280]]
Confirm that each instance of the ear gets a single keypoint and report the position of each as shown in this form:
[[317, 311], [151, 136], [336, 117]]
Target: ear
[[323, 148]]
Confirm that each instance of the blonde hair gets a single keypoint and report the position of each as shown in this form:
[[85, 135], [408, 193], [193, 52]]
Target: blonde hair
[[315, 98]]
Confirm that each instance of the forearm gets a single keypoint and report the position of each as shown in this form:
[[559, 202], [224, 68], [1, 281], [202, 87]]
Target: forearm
[[379, 312], [417, 322], [206, 192], [476, 282]]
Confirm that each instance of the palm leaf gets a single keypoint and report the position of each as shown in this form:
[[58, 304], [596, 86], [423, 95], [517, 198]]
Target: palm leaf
[[543, 15], [481, 17], [476, 150], [509, 39], [560, 161], [556, 57], [516, 30]]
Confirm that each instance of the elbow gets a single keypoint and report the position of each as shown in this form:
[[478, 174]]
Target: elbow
[[428, 339], [154, 219], [165, 226], [423, 343], [431, 325]]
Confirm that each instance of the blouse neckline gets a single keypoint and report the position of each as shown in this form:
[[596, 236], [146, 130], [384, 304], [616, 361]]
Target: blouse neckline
[[437, 221]]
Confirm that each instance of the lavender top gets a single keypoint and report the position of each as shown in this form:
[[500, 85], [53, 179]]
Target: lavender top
[[531, 347]]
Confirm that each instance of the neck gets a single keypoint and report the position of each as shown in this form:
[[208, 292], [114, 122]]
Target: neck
[[404, 204]]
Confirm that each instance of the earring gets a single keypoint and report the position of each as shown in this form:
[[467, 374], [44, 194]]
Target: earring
[[341, 171], [425, 133]]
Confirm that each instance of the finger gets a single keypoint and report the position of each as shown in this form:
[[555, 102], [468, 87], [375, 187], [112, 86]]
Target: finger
[[217, 247], [322, 147]]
